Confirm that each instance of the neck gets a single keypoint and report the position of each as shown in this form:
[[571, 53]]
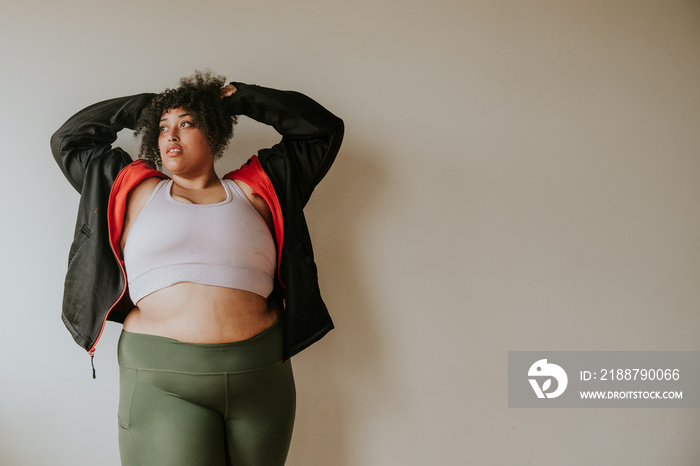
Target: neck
[[200, 181]]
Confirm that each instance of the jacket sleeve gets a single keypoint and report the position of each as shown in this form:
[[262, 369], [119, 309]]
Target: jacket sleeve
[[311, 135], [90, 133]]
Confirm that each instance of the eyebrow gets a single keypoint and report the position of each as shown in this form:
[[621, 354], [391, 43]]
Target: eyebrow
[[179, 116]]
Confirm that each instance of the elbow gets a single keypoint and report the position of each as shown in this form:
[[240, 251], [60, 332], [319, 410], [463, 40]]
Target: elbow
[[56, 143], [337, 132], [339, 129], [61, 155]]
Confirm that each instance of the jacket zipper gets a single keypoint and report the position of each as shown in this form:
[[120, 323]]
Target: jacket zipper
[[91, 351], [92, 363]]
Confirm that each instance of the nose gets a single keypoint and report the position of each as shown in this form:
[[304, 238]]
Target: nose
[[173, 135]]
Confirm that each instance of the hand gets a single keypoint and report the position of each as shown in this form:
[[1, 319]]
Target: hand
[[228, 90]]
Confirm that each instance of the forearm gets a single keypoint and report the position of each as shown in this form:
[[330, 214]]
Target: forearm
[[291, 113]]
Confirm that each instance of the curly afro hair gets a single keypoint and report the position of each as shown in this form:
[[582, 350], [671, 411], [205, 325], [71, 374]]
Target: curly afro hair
[[199, 94]]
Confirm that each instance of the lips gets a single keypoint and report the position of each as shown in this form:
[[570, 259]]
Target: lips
[[173, 149]]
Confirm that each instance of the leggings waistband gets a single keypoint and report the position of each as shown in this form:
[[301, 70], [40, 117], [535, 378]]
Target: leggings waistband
[[152, 352]]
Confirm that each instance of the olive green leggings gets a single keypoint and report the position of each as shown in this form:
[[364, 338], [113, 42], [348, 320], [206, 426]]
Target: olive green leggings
[[205, 404]]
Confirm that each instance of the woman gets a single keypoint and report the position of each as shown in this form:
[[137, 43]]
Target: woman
[[213, 279]]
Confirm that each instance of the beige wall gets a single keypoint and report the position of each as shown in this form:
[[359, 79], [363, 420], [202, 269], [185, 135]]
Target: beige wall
[[515, 175]]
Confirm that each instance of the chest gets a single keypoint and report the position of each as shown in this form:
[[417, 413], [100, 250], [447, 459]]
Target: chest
[[197, 232]]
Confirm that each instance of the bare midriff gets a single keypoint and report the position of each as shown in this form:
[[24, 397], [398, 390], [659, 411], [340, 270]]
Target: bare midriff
[[194, 313]]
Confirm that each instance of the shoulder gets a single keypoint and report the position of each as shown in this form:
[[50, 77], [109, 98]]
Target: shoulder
[[135, 203], [138, 196], [132, 175], [146, 186], [255, 199], [252, 175]]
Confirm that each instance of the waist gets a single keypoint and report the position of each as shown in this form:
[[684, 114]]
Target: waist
[[151, 352], [195, 313]]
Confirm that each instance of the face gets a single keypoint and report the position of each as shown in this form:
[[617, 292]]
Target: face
[[184, 148]]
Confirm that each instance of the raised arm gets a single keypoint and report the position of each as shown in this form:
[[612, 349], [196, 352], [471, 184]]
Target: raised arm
[[90, 133], [311, 135]]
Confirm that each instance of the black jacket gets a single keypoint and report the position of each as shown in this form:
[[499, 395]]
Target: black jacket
[[95, 285]]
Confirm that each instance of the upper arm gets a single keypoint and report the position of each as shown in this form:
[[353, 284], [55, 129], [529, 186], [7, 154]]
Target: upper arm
[[307, 160], [135, 202], [89, 134]]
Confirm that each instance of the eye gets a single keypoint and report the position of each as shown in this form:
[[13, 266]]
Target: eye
[[185, 124], [163, 129]]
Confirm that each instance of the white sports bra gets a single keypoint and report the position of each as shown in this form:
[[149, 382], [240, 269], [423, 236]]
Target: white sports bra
[[227, 244]]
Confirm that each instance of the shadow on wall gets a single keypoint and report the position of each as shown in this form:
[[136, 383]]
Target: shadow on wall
[[335, 377]]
